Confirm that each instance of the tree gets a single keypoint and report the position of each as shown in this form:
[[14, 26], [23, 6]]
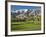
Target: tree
[[18, 12], [28, 11], [22, 12]]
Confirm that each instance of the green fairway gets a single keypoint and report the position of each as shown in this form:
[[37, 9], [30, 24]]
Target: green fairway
[[25, 26]]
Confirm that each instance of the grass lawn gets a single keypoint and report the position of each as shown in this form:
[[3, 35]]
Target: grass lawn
[[25, 26]]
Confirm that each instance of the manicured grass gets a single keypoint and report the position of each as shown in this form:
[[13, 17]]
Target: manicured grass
[[25, 26]]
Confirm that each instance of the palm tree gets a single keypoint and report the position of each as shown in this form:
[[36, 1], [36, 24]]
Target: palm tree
[[18, 12], [22, 12], [28, 11]]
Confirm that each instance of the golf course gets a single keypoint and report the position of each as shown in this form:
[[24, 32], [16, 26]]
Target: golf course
[[28, 25]]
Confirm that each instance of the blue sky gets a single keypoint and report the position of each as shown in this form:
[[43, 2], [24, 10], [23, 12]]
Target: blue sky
[[17, 7]]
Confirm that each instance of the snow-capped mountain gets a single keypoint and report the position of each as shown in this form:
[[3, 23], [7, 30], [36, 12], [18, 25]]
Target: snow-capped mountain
[[24, 12]]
